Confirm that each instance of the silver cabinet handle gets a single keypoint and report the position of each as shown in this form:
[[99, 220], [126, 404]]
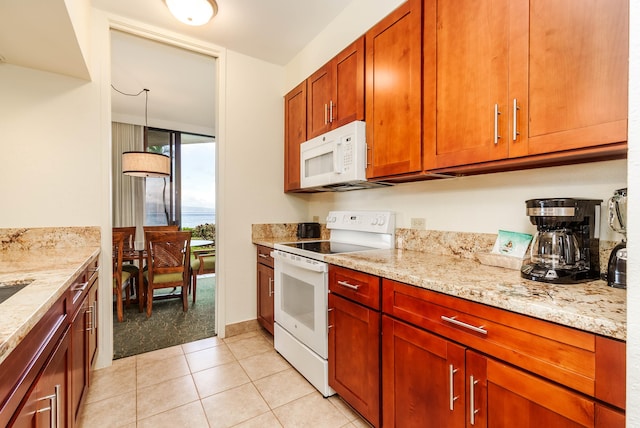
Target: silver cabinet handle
[[472, 400], [94, 314], [351, 286], [270, 287], [54, 407], [452, 398], [496, 113], [515, 119], [325, 114], [264, 256], [80, 287], [331, 111], [453, 320], [90, 313]]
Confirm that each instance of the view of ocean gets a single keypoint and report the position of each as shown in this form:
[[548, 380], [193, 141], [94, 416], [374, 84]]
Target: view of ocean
[[189, 219]]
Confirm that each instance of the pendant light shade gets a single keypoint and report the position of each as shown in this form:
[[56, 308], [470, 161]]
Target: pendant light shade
[[193, 12], [145, 164]]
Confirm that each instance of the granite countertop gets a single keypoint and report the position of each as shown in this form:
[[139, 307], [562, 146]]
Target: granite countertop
[[590, 306], [52, 271]]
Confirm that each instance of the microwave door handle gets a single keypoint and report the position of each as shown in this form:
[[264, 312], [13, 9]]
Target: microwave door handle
[[337, 158]]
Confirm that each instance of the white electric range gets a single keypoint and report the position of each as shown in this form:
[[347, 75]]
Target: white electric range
[[301, 287]]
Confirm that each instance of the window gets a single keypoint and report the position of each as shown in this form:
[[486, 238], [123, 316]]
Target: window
[[187, 197]]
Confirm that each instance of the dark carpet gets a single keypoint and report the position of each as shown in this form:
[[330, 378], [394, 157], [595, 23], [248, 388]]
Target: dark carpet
[[168, 324]]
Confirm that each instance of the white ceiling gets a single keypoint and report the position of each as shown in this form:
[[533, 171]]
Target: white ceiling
[[271, 30]]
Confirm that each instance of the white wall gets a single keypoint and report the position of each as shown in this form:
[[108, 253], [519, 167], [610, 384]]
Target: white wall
[[483, 203], [251, 175]]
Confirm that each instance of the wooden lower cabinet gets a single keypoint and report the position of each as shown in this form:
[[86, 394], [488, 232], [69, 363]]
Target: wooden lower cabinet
[[47, 406], [354, 355], [422, 378], [265, 288]]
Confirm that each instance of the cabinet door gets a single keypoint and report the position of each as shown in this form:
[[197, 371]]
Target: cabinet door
[[347, 102], [393, 92], [354, 356], [48, 404], [506, 396], [471, 82], [265, 297], [423, 378], [319, 94], [295, 133], [79, 356], [568, 74]]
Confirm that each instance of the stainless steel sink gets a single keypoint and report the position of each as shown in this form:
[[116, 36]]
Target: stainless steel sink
[[9, 288]]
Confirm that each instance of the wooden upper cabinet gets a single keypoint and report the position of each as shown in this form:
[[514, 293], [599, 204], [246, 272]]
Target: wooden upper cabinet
[[528, 78], [336, 91], [295, 133], [570, 62], [394, 93], [471, 80]]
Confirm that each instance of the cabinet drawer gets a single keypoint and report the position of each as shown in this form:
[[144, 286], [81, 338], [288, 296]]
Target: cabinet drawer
[[559, 353], [264, 255], [357, 286]]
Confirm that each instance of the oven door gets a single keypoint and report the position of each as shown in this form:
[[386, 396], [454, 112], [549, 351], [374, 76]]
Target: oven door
[[301, 288]]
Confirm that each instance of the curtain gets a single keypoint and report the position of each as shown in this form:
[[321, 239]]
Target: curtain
[[128, 192]]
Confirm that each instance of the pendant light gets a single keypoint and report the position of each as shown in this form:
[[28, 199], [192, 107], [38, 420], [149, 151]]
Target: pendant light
[[193, 12], [145, 164]]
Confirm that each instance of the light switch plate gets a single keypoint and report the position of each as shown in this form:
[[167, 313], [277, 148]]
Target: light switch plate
[[418, 223]]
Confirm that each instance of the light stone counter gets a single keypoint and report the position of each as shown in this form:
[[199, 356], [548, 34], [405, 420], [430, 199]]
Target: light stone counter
[[52, 258], [591, 306]]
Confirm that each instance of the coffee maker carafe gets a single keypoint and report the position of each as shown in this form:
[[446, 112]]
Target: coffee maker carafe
[[565, 249], [617, 267]]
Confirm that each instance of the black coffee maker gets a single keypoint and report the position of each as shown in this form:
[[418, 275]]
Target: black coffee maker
[[566, 247]]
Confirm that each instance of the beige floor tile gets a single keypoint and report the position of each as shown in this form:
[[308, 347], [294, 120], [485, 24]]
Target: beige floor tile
[[265, 420], [114, 380], [344, 408], [310, 411], [190, 415], [242, 336], [165, 396], [234, 406], [283, 387], [152, 371], [210, 357], [161, 354], [220, 378], [264, 364], [199, 345], [112, 412], [251, 346]]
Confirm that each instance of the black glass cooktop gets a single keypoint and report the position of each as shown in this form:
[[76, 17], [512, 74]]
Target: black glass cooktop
[[327, 247]]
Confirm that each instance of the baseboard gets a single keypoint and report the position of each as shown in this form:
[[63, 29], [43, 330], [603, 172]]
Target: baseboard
[[241, 327]]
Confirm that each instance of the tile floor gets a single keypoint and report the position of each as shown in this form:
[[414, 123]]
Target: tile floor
[[235, 382]]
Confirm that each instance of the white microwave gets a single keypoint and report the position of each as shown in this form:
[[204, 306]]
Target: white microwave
[[336, 160]]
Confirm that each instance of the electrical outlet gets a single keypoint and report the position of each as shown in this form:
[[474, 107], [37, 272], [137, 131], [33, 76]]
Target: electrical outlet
[[316, 218], [418, 223]]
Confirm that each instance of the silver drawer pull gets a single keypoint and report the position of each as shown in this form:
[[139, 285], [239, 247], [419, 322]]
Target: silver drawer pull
[[80, 287], [453, 320], [351, 286], [264, 256]]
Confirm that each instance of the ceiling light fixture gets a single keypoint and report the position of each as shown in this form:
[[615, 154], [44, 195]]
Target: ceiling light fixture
[[193, 12]]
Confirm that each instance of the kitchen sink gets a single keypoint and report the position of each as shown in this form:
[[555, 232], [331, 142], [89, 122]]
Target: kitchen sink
[[9, 288]]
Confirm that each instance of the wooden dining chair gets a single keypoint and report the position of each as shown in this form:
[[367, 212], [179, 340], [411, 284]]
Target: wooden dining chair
[[121, 278], [202, 262], [129, 246], [168, 263], [165, 228]]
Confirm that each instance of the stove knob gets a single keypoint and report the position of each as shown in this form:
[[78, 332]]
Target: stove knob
[[381, 221], [374, 221]]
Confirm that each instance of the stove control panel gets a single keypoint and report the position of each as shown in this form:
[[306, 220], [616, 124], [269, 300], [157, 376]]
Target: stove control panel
[[362, 221]]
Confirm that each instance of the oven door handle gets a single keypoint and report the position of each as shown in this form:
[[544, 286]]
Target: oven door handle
[[301, 262]]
